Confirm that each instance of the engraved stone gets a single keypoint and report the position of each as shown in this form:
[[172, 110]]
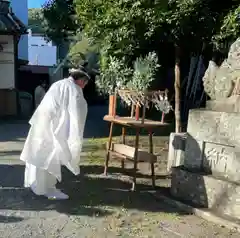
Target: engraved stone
[[219, 160], [213, 143], [210, 176]]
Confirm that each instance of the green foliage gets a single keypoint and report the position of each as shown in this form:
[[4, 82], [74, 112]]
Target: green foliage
[[229, 30], [35, 20], [60, 23], [116, 75], [190, 20], [122, 28], [128, 29], [144, 72], [113, 75], [61, 26], [79, 49]]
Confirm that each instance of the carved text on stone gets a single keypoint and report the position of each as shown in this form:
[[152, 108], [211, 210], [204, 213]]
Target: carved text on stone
[[216, 157]]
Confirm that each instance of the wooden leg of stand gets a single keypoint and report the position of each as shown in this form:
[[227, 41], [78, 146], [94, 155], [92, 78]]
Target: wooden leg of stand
[[134, 183], [109, 147], [152, 163], [124, 142]]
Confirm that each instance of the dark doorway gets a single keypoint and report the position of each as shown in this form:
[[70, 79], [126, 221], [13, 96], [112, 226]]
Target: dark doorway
[[28, 81]]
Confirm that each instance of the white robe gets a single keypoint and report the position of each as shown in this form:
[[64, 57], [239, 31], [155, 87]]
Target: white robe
[[56, 134], [39, 94]]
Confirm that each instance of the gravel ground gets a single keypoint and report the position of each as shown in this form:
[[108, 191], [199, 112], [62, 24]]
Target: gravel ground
[[99, 206]]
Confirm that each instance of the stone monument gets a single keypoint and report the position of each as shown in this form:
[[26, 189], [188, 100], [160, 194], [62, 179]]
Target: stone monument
[[209, 176]]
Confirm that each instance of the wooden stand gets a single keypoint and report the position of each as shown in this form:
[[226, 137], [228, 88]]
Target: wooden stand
[[134, 154], [122, 151]]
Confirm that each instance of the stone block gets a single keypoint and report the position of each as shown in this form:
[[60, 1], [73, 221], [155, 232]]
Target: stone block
[[213, 143], [222, 196], [216, 127], [176, 150], [193, 153], [231, 104]]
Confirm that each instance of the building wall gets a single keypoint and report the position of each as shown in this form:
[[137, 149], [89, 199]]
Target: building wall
[[20, 9], [7, 69], [8, 96], [40, 51]]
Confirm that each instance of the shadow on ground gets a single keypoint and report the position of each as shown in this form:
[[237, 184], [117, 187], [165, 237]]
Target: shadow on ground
[[14, 132], [90, 196], [11, 152], [10, 219], [98, 170]]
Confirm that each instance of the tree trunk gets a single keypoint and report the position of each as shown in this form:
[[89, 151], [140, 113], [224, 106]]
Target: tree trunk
[[177, 87]]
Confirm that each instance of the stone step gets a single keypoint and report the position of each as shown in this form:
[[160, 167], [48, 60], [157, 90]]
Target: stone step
[[206, 191]]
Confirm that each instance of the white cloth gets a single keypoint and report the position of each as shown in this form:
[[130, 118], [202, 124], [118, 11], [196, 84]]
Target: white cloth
[[56, 134], [39, 180], [42, 183], [39, 94]]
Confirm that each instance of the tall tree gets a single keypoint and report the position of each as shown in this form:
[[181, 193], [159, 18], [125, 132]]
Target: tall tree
[[230, 28], [60, 24], [122, 28], [128, 29], [35, 20]]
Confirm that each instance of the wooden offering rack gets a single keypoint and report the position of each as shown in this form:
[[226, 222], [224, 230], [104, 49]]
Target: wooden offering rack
[[134, 154]]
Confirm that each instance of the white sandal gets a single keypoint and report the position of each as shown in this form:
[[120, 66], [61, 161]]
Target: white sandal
[[56, 194]]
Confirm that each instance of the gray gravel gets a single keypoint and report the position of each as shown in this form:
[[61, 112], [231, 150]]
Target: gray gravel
[[99, 206]]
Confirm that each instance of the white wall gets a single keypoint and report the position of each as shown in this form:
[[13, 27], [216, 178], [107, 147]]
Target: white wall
[[41, 52], [38, 40], [20, 9], [7, 69]]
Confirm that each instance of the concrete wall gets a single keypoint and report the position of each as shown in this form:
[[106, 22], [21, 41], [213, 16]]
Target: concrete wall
[[7, 71], [40, 51], [20, 9]]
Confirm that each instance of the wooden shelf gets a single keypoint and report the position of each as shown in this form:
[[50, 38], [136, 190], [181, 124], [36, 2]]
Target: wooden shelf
[[129, 121], [127, 152]]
